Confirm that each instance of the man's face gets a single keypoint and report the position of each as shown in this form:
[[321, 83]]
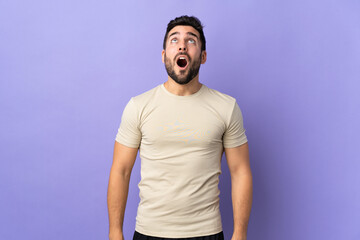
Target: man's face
[[183, 56]]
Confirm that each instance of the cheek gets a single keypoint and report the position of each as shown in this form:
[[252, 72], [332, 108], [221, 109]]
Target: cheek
[[170, 57], [197, 55], [171, 52]]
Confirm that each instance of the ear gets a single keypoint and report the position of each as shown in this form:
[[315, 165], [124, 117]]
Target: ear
[[163, 56], [203, 57]]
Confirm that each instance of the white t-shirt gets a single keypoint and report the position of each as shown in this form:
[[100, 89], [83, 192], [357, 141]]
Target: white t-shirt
[[181, 140]]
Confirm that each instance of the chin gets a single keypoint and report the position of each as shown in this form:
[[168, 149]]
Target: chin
[[184, 82]]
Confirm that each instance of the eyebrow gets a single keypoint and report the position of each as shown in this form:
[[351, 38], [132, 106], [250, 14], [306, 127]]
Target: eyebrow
[[192, 34], [188, 33]]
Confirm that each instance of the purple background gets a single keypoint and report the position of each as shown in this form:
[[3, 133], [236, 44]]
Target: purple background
[[67, 69]]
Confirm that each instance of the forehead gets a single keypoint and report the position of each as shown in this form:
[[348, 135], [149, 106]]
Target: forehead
[[183, 30]]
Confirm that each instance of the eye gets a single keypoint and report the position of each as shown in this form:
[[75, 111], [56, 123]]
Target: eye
[[174, 40], [191, 41]]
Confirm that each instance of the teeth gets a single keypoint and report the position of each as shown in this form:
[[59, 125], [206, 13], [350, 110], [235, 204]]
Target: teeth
[[182, 58]]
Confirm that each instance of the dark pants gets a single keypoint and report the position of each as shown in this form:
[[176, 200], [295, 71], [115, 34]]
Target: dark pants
[[218, 236]]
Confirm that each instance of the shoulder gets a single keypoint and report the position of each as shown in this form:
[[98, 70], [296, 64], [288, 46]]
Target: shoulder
[[148, 94], [220, 97], [146, 97]]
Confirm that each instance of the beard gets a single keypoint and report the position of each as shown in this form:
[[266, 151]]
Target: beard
[[184, 76]]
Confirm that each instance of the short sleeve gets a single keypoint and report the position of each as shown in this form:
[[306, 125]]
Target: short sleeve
[[129, 133], [235, 133]]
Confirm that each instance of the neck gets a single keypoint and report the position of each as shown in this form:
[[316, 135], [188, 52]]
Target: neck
[[183, 90]]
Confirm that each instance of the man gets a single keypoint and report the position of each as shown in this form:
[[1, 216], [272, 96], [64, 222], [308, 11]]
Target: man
[[181, 128]]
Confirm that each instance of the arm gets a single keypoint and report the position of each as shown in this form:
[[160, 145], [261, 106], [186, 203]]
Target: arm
[[123, 162], [241, 188]]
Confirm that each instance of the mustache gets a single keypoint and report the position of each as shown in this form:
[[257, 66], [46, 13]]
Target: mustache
[[182, 53]]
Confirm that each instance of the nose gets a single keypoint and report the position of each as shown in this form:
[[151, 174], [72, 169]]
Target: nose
[[182, 46]]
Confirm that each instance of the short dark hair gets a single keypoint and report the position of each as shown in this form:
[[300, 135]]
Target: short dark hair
[[186, 21]]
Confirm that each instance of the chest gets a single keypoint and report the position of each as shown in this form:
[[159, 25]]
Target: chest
[[168, 126]]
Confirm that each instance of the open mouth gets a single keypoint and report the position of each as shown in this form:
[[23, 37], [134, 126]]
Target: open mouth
[[181, 62]]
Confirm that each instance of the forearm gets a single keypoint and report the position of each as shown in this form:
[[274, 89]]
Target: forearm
[[116, 198], [241, 192]]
